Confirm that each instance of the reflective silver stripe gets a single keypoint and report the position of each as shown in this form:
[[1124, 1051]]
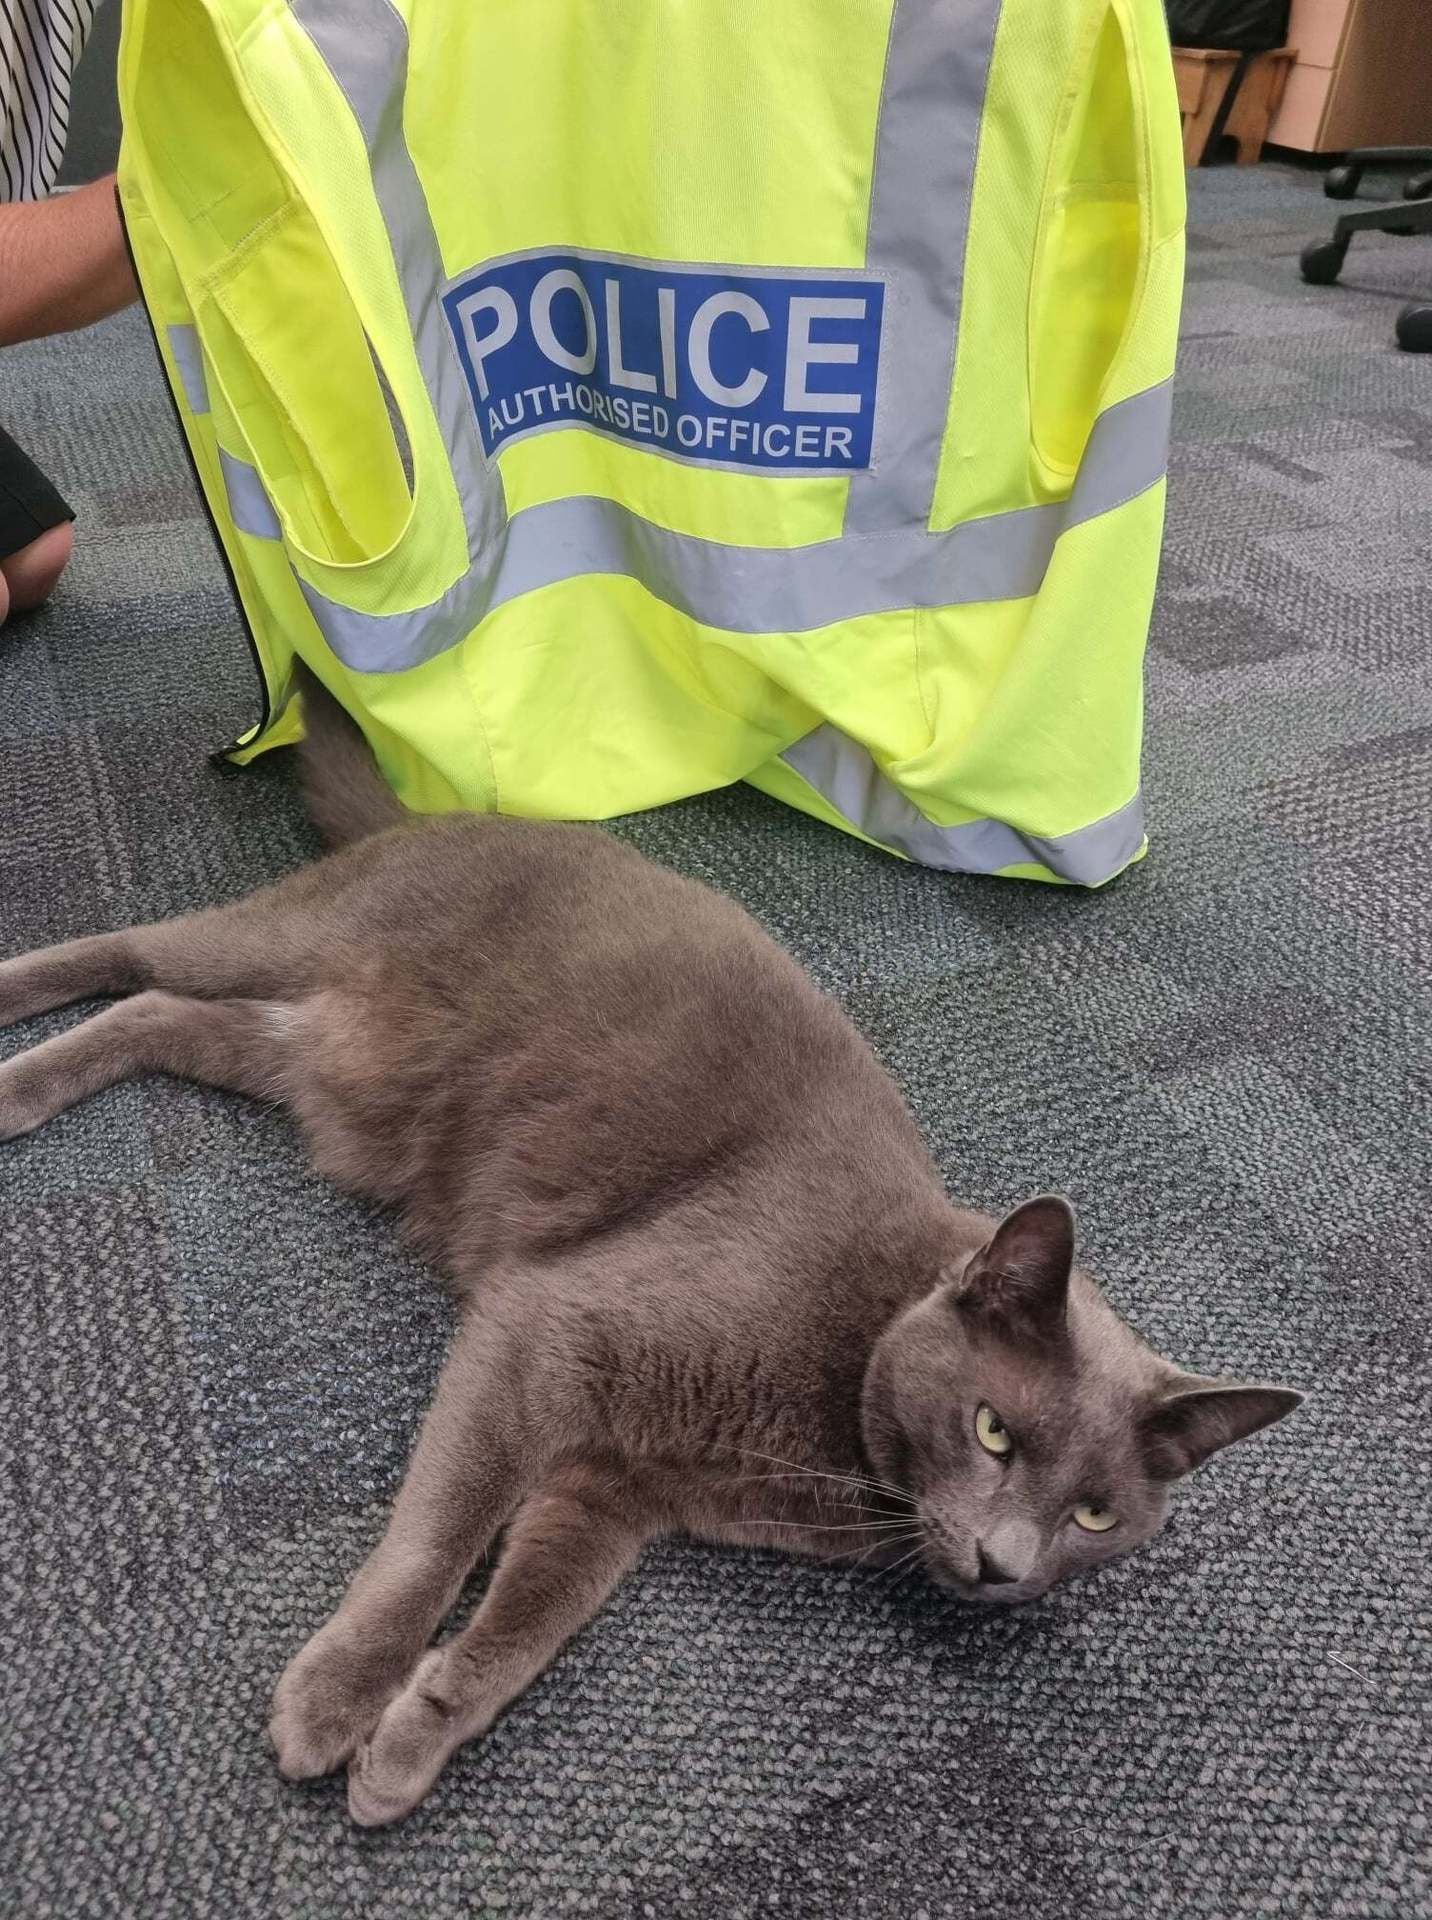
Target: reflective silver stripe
[[1126, 452], [842, 770], [365, 47], [763, 589], [189, 359], [936, 77], [249, 505]]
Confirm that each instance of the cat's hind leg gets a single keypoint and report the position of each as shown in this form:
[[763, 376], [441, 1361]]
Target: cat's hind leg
[[240, 1044], [267, 947], [95, 967]]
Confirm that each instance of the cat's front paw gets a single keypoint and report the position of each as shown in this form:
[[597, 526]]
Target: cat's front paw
[[329, 1699], [411, 1744]]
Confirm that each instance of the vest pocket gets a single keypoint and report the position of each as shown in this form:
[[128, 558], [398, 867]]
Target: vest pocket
[[280, 331], [1092, 248], [303, 386]]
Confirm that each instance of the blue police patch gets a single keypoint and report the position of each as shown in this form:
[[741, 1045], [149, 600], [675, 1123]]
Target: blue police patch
[[723, 366]]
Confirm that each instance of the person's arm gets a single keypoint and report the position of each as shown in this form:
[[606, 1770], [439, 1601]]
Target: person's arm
[[63, 262]]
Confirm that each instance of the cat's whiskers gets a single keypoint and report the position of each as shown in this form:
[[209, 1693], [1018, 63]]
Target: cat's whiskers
[[825, 1526], [859, 1482], [885, 1573], [877, 1545], [819, 1473], [823, 1500]]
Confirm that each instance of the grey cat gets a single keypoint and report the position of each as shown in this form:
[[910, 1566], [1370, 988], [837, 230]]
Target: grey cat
[[709, 1280]]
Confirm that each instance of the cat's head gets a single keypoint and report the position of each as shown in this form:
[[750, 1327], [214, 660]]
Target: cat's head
[[1035, 1433]]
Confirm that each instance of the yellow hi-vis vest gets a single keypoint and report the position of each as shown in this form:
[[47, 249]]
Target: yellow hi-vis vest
[[614, 401]]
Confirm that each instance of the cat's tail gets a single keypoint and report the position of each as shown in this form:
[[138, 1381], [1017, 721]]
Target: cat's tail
[[346, 796]]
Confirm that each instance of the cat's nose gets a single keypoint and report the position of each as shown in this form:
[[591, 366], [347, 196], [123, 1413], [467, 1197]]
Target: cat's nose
[[990, 1573]]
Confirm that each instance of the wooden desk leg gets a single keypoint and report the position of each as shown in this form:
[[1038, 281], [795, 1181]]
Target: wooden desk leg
[[1258, 101], [1199, 125]]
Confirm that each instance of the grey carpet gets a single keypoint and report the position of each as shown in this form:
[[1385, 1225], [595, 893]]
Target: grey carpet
[[211, 1365]]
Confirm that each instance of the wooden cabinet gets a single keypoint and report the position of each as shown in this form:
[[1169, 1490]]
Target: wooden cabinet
[[1363, 76]]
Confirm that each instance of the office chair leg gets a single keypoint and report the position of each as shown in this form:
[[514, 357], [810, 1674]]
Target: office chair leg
[[1322, 262], [1414, 329]]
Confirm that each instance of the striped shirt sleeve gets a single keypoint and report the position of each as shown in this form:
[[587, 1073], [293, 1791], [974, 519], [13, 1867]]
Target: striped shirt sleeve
[[40, 45]]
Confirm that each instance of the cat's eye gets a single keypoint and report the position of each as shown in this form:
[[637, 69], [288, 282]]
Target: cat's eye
[[993, 1435], [1095, 1519]]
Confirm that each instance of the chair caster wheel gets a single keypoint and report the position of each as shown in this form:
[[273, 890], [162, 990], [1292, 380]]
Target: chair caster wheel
[[1323, 262], [1341, 183], [1414, 329]]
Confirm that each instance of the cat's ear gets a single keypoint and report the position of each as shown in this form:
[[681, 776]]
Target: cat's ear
[[1021, 1276], [1197, 1417]]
